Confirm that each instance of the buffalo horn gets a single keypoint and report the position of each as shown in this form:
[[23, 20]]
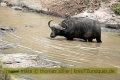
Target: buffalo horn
[[57, 26], [49, 23]]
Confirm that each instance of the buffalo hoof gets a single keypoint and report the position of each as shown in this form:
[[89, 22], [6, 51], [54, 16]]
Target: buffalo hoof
[[99, 42], [70, 39], [84, 41]]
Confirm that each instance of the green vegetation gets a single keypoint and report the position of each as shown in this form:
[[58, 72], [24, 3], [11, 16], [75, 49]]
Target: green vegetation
[[2, 75], [7, 76], [116, 8]]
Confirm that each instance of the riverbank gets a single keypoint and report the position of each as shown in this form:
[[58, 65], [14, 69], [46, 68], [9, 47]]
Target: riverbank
[[61, 8]]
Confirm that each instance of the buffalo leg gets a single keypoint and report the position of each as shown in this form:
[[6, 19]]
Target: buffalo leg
[[69, 38], [90, 40], [85, 40], [98, 40]]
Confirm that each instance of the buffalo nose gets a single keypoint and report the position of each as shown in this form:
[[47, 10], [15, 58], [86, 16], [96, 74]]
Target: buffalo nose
[[52, 36]]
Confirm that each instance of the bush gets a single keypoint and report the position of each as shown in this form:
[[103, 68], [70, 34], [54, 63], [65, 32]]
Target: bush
[[116, 8]]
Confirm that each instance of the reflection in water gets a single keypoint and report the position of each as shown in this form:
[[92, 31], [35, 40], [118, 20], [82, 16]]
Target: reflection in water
[[74, 53]]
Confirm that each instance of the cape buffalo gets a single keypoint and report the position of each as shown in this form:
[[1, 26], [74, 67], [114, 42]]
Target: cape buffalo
[[77, 27]]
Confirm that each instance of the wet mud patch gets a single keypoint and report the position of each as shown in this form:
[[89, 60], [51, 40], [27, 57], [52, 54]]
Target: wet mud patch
[[28, 60]]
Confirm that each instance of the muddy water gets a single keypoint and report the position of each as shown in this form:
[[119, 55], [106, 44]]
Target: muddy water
[[73, 53]]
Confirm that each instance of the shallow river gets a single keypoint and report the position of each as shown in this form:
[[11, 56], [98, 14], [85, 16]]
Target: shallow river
[[73, 53]]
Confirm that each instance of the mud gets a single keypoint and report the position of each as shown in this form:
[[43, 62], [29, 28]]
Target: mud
[[27, 60]]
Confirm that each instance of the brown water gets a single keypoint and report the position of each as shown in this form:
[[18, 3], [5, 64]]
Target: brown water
[[73, 53]]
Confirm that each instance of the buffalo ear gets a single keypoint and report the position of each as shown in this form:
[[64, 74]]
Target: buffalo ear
[[66, 26], [58, 26]]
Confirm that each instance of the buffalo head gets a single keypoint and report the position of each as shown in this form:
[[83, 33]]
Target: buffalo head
[[57, 29]]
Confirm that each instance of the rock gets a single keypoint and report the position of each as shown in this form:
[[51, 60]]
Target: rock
[[99, 15], [30, 26], [3, 4], [118, 0], [17, 8], [118, 17], [113, 19], [113, 15], [110, 30], [112, 25], [8, 62], [3, 28]]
